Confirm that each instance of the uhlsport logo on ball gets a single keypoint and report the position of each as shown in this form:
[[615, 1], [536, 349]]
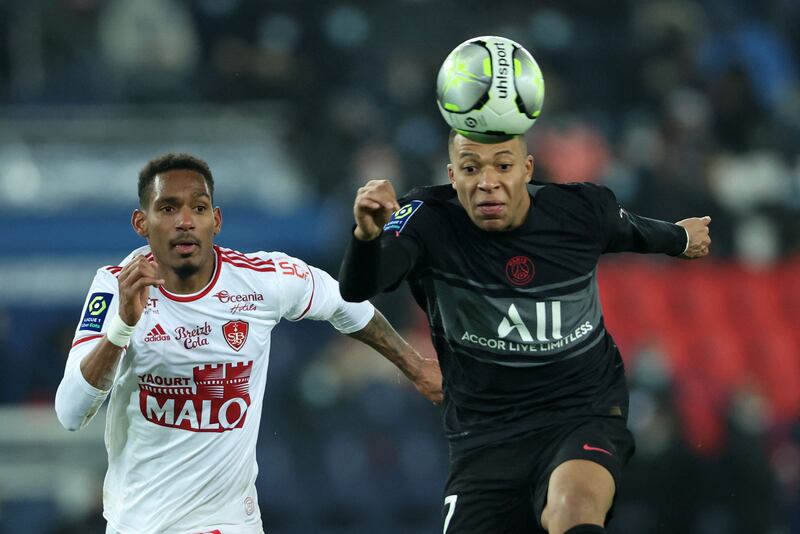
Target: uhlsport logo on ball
[[489, 89]]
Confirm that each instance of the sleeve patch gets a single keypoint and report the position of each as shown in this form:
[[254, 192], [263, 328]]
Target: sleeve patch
[[401, 217], [95, 314]]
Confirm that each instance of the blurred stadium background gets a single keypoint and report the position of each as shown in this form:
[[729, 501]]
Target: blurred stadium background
[[683, 107]]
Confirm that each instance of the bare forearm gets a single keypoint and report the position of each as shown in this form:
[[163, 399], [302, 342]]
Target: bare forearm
[[99, 367], [380, 335]]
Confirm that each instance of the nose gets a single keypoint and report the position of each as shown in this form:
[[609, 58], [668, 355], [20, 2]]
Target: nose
[[185, 219], [488, 180]]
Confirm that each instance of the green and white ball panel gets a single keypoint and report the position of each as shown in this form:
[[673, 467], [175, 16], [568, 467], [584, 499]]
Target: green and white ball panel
[[529, 83], [490, 88], [464, 78]]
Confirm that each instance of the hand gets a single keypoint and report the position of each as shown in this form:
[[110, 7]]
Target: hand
[[427, 378], [373, 208], [134, 282], [699, 238]]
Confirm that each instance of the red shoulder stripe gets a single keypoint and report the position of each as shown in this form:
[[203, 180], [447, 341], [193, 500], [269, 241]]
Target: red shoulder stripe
[[257, 262], [85, 339], [264, 269]]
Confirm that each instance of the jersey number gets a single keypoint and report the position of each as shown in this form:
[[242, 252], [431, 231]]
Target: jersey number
[[450, 502]]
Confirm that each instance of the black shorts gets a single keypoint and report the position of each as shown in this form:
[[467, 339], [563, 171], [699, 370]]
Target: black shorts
[[501, 488]]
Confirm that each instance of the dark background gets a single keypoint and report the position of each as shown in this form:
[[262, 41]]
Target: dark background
[[684, 108]]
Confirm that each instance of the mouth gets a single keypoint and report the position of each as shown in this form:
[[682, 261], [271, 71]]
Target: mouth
[[185, 246], [490, 208]]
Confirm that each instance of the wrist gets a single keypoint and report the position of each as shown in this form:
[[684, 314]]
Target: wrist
[[411, 365], [361, 235], [119, 332]]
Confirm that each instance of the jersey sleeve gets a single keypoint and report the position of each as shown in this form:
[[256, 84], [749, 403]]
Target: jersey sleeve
[[622, 231], [372, 267], [77, 401], [311, 293]]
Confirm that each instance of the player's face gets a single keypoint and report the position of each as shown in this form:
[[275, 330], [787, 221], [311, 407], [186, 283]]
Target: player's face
[[179, 222], [491, 181]]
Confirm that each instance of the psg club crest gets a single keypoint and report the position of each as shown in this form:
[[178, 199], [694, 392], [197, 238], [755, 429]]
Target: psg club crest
[[519, 270], [235, 333]]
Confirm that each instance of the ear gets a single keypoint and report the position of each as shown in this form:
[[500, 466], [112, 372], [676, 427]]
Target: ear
[[451, 175], [139, 223], [217, 221], [528, 169]]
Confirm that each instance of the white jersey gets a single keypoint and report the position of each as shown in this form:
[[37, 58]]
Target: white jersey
[[185, 407]]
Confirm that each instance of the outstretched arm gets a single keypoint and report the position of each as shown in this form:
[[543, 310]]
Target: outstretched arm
[[423, 372], [623, 231], [316, 295]]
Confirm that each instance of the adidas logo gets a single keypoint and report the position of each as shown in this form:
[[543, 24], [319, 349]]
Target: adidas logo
[[156, 334]]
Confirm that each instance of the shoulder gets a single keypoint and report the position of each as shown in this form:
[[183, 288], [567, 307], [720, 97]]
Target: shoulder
[[574, 194], [280, 263], [419, 205], [432, 194], [256, 262]]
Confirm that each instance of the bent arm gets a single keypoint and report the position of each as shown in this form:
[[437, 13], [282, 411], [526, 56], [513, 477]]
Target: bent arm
[[372, 267], [86, 384]]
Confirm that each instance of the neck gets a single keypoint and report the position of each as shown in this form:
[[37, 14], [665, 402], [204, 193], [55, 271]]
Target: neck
[[525, 207], [184, 281]]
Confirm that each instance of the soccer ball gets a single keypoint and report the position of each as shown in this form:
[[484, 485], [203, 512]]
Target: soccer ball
[[490, 89]]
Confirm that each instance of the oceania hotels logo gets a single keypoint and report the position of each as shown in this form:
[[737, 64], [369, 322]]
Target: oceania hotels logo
[[224, 296]]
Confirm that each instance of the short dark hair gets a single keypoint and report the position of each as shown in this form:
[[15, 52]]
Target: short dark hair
[[171, 162], [453, 133]]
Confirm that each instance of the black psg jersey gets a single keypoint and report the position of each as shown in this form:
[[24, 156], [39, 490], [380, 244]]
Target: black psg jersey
[[514, 316]]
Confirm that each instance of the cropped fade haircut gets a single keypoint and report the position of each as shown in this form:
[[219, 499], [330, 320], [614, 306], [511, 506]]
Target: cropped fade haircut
[[453, 133], [171, 162]]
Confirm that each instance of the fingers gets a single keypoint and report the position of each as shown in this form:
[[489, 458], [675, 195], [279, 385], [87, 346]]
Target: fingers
[[139, 268], [373, 207], [134, 281], [378, 194]]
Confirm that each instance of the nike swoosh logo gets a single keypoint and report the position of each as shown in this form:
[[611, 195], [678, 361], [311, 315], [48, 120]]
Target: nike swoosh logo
[[588, 447]]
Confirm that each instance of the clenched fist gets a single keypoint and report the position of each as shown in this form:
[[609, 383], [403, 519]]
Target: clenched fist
[[373, 207], [699, 238]]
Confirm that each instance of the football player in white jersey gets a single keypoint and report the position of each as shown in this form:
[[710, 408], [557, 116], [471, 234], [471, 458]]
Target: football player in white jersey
[[179, 334]]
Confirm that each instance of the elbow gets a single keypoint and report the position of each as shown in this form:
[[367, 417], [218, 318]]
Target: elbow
[[65, 415], [67, 420]]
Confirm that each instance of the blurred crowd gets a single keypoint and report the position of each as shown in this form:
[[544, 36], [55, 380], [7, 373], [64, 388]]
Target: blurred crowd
[[682, 107]]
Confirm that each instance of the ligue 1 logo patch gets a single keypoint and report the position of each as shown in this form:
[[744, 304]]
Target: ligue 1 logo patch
[[96, 310], [235, 333], [401, 217], [520, 270]]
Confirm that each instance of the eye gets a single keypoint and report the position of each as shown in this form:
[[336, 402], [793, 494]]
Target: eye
[[167, 209], [469, 169], [505, 167], [200, 209]]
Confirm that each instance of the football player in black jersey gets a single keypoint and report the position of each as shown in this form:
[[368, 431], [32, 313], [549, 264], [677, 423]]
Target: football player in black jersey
[[535, 404]]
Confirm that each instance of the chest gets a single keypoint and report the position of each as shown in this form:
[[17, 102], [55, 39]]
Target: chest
[[224, 326], [543, 253]]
